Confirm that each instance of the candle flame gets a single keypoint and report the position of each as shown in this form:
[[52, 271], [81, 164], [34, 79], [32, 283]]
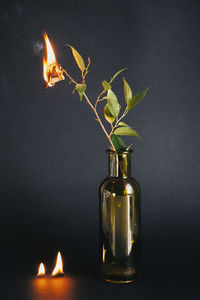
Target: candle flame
[[41, 270], [52, 71], [58, 269]]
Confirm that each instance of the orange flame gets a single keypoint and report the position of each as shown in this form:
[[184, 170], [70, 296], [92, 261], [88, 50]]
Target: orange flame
[[41, 270], [104, 254], [59, 266], [52, 71]]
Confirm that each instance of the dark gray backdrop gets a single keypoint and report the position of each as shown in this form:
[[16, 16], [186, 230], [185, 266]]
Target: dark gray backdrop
[[53, 151]]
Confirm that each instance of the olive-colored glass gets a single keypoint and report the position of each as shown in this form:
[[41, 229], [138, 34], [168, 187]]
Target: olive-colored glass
[[119, 221]]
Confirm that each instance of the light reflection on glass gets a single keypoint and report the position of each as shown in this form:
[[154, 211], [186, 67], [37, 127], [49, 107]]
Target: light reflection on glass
[[60, 288]]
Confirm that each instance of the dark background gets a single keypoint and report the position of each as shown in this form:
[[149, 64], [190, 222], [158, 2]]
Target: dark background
[[53, 151]]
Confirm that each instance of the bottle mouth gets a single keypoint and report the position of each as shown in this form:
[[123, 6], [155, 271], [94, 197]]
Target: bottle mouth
[[126, 151]]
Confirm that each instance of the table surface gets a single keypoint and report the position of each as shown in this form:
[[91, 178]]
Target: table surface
[[151, 286], [170, 271]]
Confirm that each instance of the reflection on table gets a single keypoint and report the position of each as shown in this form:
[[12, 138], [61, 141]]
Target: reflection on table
[[60, 288]]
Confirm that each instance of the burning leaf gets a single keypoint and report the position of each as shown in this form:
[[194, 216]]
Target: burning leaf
[[52, 71]]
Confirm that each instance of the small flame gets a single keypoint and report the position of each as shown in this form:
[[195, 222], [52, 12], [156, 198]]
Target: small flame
[[41, 270], [59, 266], [52, 71], [104, 254]]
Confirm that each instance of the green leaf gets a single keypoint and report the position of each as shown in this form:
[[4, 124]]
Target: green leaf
[[111, 95], [113, 103], [116, 74], [107, 114], [118, 142], [136, 99], [127, 92], [126, 131], [81, 89], [78, 58], [106, 85], [123, 124], [114, 107]]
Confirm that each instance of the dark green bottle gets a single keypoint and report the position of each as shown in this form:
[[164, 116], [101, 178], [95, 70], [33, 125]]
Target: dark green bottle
[[120, 221]]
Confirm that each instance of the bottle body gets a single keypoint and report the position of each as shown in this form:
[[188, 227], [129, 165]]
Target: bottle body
[[119, 222]]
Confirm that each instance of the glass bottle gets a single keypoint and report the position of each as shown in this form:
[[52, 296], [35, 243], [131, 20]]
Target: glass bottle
[[119, 221]]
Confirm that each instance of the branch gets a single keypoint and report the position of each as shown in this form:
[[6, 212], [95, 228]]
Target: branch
[[95, 106], [117, 122], [94, 109], [99, 120], [69, 76]]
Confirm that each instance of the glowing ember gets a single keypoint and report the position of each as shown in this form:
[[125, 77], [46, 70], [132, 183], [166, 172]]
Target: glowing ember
[[58, 270], [52, 71], [41, 270]]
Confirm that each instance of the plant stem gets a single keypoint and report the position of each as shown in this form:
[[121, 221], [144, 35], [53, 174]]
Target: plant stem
[[117, 122], [86, 71], [69, 76], [94, 110], [99, 120], [95, 106]]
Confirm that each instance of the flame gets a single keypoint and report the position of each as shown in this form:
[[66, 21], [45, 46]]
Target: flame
[[59, 266], [51, 59], [52, 71], [104, 254], [41, 270]]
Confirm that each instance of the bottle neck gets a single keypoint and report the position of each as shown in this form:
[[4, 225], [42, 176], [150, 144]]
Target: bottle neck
[[119, 164]]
